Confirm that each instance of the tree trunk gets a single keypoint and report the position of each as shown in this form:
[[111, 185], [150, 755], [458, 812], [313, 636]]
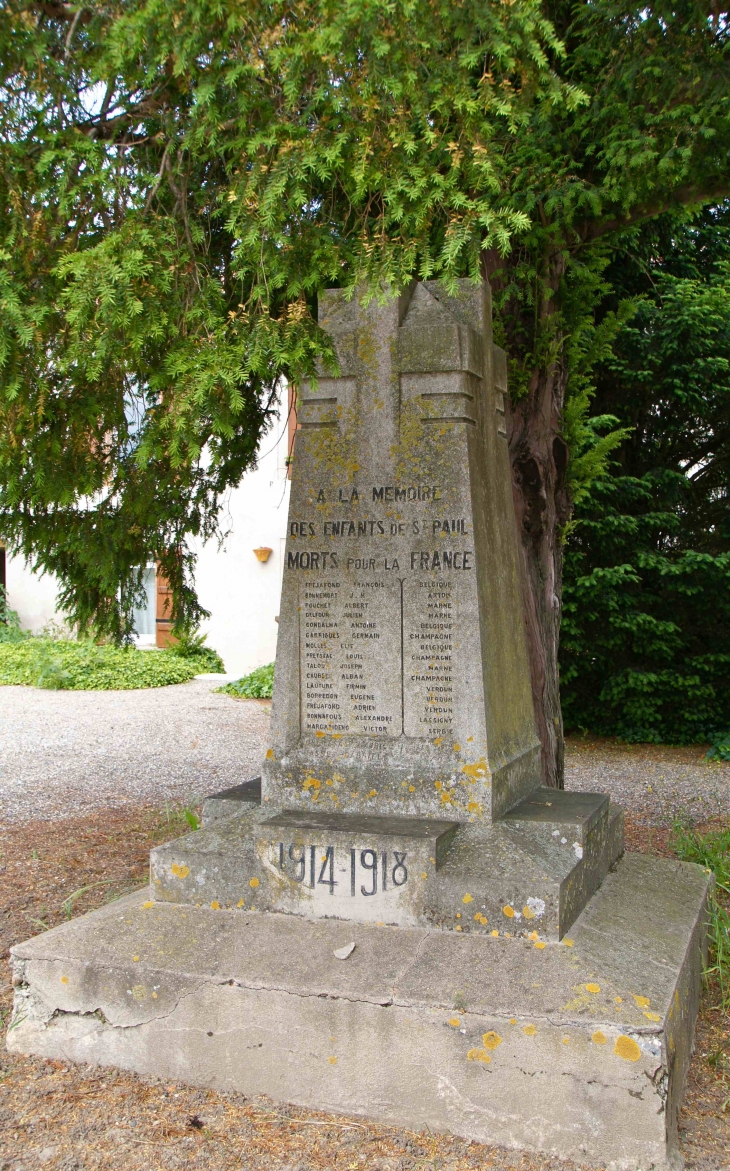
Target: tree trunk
[[539, 459]]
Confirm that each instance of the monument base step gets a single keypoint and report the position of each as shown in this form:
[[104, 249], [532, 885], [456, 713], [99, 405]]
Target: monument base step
[[578, 1049], [531, 873]]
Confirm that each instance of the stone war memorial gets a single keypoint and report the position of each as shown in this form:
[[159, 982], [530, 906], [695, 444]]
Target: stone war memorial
[[398, 920]]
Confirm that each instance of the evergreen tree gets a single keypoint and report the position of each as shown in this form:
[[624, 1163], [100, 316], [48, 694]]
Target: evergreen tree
[[646, 627], [178, 180]]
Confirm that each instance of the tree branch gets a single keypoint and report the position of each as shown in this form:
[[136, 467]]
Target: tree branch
[[682, 197]]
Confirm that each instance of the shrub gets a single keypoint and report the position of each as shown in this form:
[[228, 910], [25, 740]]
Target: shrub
[[191, 645], [645, 644], [258, 685], [9, 622], [85, 666]]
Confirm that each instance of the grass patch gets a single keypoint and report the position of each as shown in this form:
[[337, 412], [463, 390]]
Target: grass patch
[[258, 685], [712, 850], [84, 666]]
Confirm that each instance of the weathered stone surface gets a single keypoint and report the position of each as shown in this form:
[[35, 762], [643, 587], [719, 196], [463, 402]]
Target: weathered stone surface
[[232, 801], [589, 1039], [399, 870], [402, 684]]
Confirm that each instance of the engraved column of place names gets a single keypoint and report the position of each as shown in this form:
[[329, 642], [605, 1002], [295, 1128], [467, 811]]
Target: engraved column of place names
[[361, 655], [429, 655], [321, 638]]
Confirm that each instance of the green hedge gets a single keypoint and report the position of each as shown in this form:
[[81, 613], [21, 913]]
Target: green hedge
[[258, 685], [84, 666]]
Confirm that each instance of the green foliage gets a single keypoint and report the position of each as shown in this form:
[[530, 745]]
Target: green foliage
[[84, 666], [645, 650], [712, 850], [258, 685], [191, 818], [191, 645], [178, 182], [9, 621], [719, 748], [646, 624]]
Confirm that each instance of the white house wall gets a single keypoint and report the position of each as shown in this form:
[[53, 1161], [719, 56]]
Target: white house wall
[[241, 593], [32, 596]]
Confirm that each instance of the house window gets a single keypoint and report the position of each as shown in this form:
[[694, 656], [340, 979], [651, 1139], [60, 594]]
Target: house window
[[144, 617]]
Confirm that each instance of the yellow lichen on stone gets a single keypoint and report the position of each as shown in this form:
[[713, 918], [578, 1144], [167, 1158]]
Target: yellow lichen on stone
[[568, 942], [239, 904], [215, 905], [594, 988], [528, 912], [254, 882], [495, 933], [513, 1020], [641, 1001], [478, 1055], [457, 748], [269, 754], [491, 1040], [477, 770], [599, 1038], [652, 1016], [529, 1030], [468, 898], [180, 871], [64, 979], [455, 1022], [508, 911], [540, 945], [332, 1060], [146, 906], [627, 1048]]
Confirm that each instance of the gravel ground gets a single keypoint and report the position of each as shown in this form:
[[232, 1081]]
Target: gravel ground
[[66, 753], [70, 754], [655, 783]]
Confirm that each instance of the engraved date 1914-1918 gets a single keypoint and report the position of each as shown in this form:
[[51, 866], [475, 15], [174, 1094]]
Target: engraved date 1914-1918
[[316, 866]]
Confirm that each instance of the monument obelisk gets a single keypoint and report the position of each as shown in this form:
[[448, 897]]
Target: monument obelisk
[[398, 893]]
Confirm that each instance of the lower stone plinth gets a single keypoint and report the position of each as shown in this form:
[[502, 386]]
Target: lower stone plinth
[[579, 1049]]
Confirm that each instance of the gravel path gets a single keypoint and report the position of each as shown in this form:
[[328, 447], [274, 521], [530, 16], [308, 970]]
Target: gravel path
[[66, 753], [654, 782]]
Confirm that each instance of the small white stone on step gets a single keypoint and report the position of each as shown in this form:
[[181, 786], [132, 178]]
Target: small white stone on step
[[344, 953]]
